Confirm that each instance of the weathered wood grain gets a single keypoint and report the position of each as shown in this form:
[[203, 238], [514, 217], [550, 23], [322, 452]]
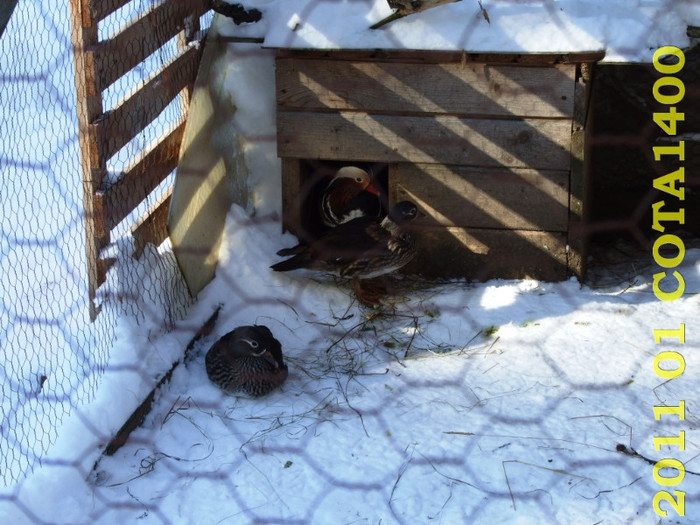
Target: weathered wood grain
[[119, 54], [151, 227], [450, 88], [482, 254], [97, 65], [142, 178], [522, 199], [117, 127], [578, 236], [356, 136], [490, 147], [433, 57], [93, 167], [101, 9], [187, 36]]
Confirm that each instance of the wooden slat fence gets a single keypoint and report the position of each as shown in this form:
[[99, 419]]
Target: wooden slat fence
[[99, 64]]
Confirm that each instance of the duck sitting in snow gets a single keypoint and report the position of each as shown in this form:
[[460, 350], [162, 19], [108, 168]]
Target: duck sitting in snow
[[247, 362], [363, 248]]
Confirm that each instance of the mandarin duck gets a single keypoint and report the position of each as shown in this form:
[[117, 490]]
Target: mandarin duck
[[247, 362], [362, 248], [347, 196]]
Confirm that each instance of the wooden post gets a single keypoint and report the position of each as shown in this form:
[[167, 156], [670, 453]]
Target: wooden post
[[184, 38], [580, 177], [93, 164]]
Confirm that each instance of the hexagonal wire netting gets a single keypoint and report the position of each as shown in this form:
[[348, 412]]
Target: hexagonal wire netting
[[454, 402], [52, 355]]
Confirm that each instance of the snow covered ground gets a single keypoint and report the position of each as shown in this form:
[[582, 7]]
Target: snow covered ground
[[499, 402]]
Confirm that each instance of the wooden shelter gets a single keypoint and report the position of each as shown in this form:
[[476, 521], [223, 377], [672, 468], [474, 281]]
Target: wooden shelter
[[491, 147]]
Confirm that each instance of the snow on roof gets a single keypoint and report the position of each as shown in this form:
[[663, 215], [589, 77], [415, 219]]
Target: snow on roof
[[627, 30]]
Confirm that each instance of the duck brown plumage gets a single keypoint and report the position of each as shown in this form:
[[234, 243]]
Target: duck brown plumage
[[363, 248], [247, 362]]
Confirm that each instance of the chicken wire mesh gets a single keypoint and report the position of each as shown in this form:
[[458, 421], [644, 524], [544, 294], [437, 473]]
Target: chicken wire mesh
[[52, 355], [418, 384]]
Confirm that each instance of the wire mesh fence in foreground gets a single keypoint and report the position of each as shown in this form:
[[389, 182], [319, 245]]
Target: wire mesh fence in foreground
[[52, 356], [454, 402]]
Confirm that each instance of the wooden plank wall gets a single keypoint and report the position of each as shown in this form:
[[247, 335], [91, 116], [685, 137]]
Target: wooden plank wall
[[489, 147], [99, 63]]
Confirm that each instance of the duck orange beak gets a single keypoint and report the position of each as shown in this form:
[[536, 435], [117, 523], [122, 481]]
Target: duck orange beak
[[372, 190]]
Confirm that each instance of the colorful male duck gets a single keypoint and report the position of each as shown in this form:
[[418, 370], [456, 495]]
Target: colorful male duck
[[349, 195], [362, 248]]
